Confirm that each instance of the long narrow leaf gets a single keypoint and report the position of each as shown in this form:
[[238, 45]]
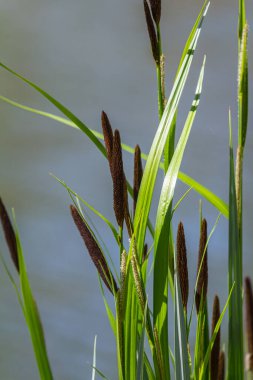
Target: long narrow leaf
[[202, 190], [161, 268], [156, 151], [182, 370], [93, 375], [235, 323], [32, 317]]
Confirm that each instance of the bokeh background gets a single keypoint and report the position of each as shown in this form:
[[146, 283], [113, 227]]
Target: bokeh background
[[94, 55]]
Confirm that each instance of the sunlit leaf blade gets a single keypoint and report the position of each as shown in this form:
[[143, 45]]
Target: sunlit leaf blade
[[235, 322], [169, 146], [110, 315], [32, 316], [196, 25], [182, 370], [172, 172], [148, 371], [217, 202], [156, 151], [93, 375], [141, 351], [181, 200], [61, 108], [160, 288], [243, 89], [202, 190], [241, 20]]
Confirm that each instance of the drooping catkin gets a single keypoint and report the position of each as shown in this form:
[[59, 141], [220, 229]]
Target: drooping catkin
[[152, 32], [202, 272], [108, 137], [138, 172], [182, 268], [118, 178], [9, 234], [221, 371], [156, 10], [249, 323], [94, 251], [214, 363]]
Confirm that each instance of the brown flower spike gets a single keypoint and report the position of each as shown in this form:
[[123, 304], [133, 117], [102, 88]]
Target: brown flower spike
[[94, 251], [138, 172], [202, 271], [156, 10], [108, 137], [221, 371], [216, 346], [9, 234], [249, 323], [151, 32], [118, 178], [182, 268]]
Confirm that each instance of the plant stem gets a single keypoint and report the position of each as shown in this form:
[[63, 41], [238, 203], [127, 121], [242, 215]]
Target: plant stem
[[160, 77]]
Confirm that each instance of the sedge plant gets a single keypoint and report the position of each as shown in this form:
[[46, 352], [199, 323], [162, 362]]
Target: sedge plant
[[143, 346]]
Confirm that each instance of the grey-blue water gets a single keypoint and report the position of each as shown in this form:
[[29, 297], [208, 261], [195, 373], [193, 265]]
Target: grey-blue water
[[94, 55]]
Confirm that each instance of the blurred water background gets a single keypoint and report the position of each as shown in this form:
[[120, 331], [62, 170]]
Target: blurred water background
[[94, 55]]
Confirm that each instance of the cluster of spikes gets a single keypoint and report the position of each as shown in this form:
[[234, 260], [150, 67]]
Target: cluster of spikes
[[120, 201], [217, 360]]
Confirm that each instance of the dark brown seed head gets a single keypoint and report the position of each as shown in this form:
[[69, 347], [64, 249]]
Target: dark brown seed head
[[182, 268], [156, 10], [152, 33], [145, 252], [94, 251], [221, 371], [249, 314], [126, 210], [108, 137], [216, 346], [202, 271], [138, 172], [118, 178], [9, 234]]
